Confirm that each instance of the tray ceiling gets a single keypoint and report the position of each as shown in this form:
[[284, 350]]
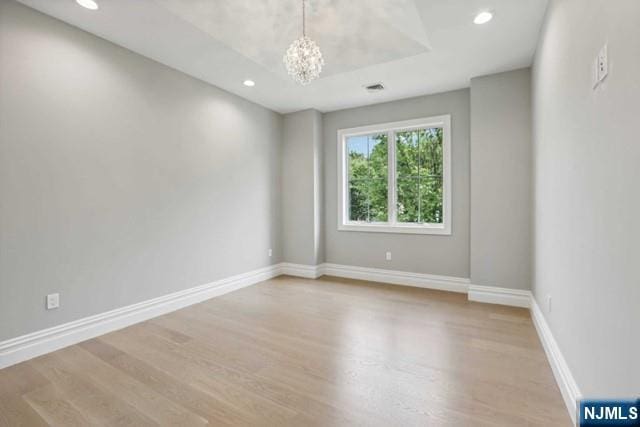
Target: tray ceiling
[[414, 47]]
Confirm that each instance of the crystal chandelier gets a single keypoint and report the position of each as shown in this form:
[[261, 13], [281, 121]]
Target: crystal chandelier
[[303, 58]]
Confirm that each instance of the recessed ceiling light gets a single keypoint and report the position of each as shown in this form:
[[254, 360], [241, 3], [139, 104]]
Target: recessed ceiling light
[[249, 83], [483, 18], [89, 4]]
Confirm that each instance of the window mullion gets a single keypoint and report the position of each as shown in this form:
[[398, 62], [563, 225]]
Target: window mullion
[[391, 171], [419, 172], [368, 178], [346, 194]]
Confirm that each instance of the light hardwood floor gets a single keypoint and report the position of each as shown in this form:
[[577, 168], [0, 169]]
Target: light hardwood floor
[[296, 352]]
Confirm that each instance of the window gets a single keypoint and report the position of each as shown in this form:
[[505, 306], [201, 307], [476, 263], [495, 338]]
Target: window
[[395, 177]]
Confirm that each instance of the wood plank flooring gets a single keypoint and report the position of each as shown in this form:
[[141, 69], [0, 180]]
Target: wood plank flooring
[[296, 352]]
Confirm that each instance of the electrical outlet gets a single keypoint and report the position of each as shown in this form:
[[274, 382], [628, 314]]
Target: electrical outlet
[[53, 301], [603, 63], [601, 66], [388, 256], [595, 72], [549, 303], [270, 252]]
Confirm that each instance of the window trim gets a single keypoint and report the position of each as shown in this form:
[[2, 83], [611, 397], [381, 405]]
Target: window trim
[[392, 226]]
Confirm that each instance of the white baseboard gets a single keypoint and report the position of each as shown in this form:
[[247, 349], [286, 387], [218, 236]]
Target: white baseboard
[[502, 296], [566, 382], [485, 294], [301, 270], [394, 277], [28, 346]]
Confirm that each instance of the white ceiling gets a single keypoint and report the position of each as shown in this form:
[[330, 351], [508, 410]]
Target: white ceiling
[[414, 47]]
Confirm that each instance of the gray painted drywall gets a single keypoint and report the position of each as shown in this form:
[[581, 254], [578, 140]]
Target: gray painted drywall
[[586, 204], [500, 250], [301, 188], [429, 254], [318, 179], [121, 179]]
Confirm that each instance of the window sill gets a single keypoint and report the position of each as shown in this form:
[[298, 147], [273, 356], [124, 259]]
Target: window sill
[[440, 230]]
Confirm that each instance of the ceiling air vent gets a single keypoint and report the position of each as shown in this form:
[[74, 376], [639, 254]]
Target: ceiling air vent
[[375, 87]]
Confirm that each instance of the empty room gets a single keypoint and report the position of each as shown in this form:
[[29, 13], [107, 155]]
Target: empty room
[[319, 213]]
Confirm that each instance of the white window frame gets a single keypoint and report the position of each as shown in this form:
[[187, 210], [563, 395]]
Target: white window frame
[[392, 226]]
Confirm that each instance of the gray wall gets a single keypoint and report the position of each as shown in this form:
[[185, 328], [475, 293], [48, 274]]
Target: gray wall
[[586, 204], [500, 252], [318, 180], [301, 188], [442, 255], [121, 179]]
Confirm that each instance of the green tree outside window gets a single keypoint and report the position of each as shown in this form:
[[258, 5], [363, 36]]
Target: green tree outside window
[[419, 176]]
